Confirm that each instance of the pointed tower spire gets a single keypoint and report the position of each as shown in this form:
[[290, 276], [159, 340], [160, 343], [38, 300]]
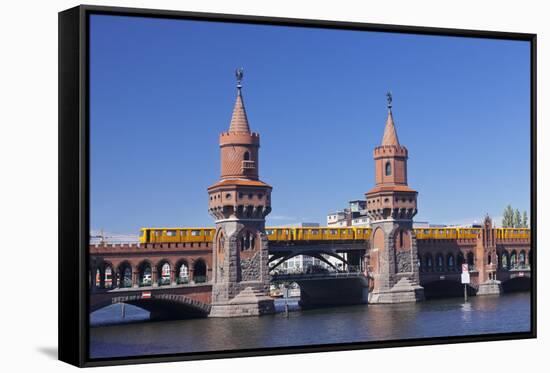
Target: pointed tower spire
[[239, 121], [390, 134], [239, 203]]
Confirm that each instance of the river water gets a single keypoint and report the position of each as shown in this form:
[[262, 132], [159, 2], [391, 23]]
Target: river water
[[362, 323]]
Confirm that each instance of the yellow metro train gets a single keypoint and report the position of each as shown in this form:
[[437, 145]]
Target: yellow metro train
[[167, 235]]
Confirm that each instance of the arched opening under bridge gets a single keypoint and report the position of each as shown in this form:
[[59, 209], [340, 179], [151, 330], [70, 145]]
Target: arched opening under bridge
[[146, 309], [516, 285], [446, 289], [308, 263]]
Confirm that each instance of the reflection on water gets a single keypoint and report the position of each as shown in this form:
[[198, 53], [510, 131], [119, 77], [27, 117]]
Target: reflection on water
[[118, 313], [436, 318]]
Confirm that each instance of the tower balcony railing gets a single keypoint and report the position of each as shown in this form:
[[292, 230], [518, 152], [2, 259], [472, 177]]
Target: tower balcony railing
[[248, 165]]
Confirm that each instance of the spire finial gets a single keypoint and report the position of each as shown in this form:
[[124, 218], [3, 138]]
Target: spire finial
[[239, 121], [239, 72], [390, 99], [390, 134]]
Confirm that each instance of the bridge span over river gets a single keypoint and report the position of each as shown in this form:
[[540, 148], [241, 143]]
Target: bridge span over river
[[170, 279]]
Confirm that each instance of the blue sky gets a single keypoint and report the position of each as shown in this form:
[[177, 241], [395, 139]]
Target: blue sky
[[162, 91]]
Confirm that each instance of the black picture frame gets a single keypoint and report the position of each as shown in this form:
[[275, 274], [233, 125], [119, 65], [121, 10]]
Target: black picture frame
[[74, 182]]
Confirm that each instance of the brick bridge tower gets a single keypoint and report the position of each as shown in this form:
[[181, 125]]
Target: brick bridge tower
[[391, 206], [239, 203]]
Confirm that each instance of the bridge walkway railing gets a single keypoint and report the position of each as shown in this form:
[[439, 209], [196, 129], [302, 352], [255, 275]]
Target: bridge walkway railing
[[335, 275]]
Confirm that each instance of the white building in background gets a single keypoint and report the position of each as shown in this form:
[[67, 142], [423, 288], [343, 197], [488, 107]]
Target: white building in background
[[361, 221], [299, 264], [336, 219], [353, 216], [303, 263]]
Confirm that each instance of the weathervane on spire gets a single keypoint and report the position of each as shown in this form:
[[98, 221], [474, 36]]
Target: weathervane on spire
[[389, 98], [239, 72]]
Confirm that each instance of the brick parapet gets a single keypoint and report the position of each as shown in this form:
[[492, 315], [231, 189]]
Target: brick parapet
[[383, 151], [150, 247], [236, 138]]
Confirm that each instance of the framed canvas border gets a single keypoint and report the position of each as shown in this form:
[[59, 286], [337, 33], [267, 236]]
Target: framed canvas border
[[73, 101]]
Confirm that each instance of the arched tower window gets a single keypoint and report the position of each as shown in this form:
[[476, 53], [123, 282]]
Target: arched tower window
[[243, 247], [246, 156], [221, 243], [388, 168], [248, 241]]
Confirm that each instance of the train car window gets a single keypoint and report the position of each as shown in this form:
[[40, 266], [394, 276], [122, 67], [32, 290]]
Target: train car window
[[195, 233], [171, 233]]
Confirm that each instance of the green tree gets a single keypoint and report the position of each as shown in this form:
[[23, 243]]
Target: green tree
[[524, 220], [517, 219], [508, 217]]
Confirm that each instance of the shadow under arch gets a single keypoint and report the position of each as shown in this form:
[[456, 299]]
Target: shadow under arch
[[517, 284], [446, 289]]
